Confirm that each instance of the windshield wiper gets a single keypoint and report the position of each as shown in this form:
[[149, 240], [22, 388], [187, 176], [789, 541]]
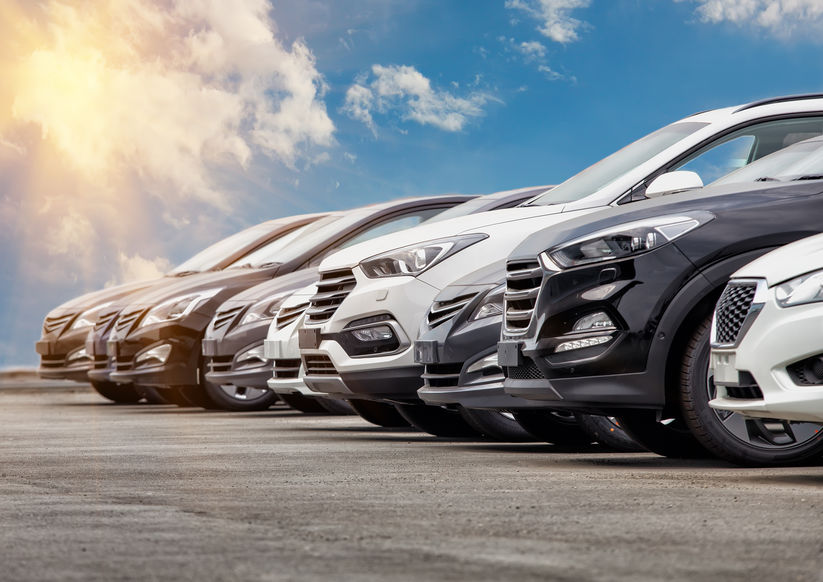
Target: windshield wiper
[[184, 273], [267, 265], [766, 179], [809, 177], [243, 266]]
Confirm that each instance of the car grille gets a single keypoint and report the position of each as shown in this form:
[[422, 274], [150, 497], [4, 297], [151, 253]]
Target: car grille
[[523, 279], [442, 311], [56, 324], [319, 365], [287, 315], [123, 363], [332, 288], [219, 363], [442, 375], [529, 371], [225, 317], [287, 368], [744, 392], [52, 361], [101, 362], [731, 311], [126, 321], [105, 319]]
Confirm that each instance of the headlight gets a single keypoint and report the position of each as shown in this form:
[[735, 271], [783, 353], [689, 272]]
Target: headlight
[[415, 259], [625, 240], [491, 305], [265, 309], [89, 317], [807, 288], [178, 307]]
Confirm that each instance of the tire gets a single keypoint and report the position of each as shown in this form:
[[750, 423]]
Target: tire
[[669, 437], [336, 407], [240, 399], [731, 436], [559, 428], [302, 403], [174, 396], [152, 395], [436, 421], [607, 431], [196, 395], [496, 425], [117, 393], [379, 413]]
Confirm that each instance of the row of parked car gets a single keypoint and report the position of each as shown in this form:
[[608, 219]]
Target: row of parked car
[[629, 304]]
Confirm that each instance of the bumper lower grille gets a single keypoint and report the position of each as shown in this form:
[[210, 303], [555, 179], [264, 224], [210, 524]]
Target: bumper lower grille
[[442, 375], [744, 392], [219, 363], [287, 368], [123, 363], [47, 362], [523, 280], [101, 362], [529, 371], [287, 315], [319, 365], [731, 311], [442, 311], [332, 288], [226, 317]]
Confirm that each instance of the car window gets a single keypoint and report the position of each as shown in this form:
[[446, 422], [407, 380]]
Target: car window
[[746, 145]]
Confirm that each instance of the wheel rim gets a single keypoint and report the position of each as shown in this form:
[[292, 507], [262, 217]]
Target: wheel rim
[[762, 433], [243, 393]]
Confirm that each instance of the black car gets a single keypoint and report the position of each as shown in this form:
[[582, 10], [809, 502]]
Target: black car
[[611, 314], [156, 340], [458, 346], [64, 352]]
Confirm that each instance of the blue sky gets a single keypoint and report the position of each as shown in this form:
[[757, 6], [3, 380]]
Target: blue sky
[[122, 154]]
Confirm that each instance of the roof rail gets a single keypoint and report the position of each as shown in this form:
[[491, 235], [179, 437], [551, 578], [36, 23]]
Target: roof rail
[[783, 99]]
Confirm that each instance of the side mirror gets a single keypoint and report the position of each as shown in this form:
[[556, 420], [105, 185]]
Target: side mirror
[[673, 182]]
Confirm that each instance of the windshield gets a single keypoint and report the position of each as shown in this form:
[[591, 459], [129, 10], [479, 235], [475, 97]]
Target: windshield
[[290, 245], [609, 169], [464, 209], [212, 256], [798, 160]]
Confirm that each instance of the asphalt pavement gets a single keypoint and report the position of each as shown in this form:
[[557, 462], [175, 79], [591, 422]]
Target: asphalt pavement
[[95, 491]]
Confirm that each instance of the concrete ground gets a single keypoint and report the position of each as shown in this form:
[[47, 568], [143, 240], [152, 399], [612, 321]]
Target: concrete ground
[[94, 491]]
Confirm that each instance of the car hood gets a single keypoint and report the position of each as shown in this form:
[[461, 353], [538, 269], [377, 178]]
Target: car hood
[[283, 284], [787, 262], [347, 258], [119, 293]]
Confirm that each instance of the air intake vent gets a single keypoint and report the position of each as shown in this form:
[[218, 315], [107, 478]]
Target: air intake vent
[[287, 368], [287, 315], [523, 280], [731, 311], [319, 365], [442, 311], [529, 371], [225, 317], [442, 375], [219, 363], [332, 289]]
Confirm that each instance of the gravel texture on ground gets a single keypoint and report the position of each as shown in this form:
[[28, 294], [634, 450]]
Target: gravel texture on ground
[[95, 491]]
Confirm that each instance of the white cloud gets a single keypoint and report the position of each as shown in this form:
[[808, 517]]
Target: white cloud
[[532, 50], [137, 268], [782, 18], [403, 88], [554, 16]]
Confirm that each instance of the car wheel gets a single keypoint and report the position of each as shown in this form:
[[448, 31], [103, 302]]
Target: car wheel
[[240, 398], [302, 403], [117, 393], [378, 413], [607, 431], [152, 395], [436, 421], [196, 395], [174, 396], [553, 426], [732, 436], [669, 437], [496, 425], [336, 407]]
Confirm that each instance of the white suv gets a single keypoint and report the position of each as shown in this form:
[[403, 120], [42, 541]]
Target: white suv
[[359, 330]]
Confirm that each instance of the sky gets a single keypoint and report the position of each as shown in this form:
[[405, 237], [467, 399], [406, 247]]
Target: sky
[[133, 133]]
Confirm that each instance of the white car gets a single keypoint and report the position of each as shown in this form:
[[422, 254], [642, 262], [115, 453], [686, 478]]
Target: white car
[[767, 336], [361, 325]]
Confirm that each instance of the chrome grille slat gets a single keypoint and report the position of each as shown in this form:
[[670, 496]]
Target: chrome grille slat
[[287, 368], [442, 311], [126, 321], [318, 365], [225, 317], [732, 309], [286, 315], [54, 324], [523, 281], [332, 288], [105, 319]]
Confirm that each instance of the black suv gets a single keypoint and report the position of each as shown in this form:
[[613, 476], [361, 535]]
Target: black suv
[[611, 314]]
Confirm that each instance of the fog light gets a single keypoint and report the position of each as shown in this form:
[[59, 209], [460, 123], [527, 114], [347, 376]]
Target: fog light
[[374, 334], [593, 321], [79, 354], [582, 343], [156, 355], [255, 353], [489, 363]]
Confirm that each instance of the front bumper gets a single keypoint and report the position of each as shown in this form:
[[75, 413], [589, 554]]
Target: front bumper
[[777, 339], [64, 357], [220, 357], [286, 376], [180, 369]]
